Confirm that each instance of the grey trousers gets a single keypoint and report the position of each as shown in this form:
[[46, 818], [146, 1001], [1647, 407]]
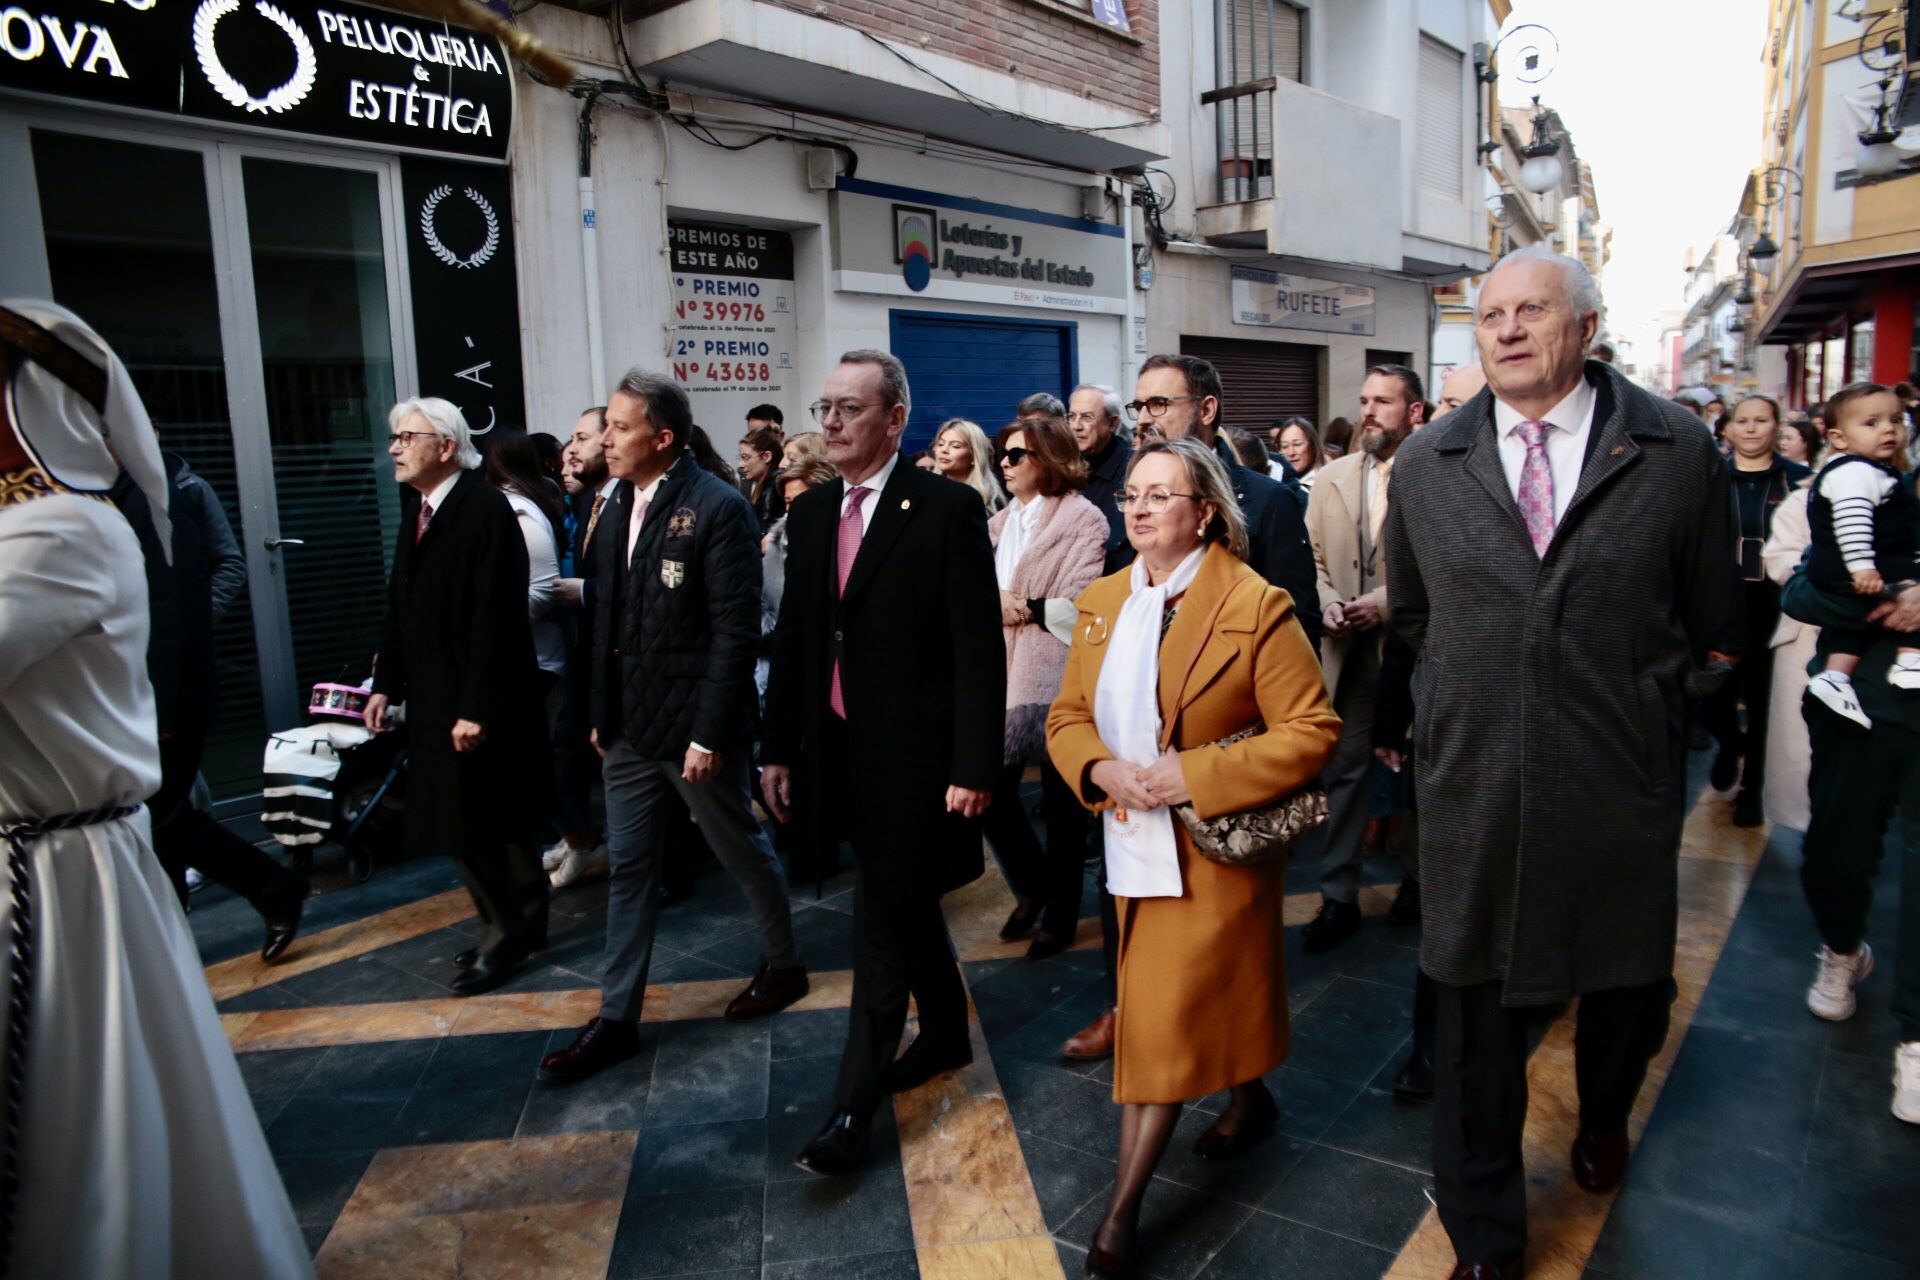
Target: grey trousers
[[636, 851], [1347, 774]]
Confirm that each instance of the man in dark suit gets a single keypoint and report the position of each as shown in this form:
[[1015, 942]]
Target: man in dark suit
[[886, 704], [458, 651], [1093, 415], [581, 848], [1559, 551], [1181, 396], [676, 629]]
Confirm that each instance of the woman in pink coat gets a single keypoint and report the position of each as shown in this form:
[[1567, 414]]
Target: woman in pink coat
[[1048, 546]]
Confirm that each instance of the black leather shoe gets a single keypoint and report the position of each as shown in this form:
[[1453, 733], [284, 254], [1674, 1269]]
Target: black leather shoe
[[1487, 1270], [836, 1149], [1102, 1265], [1046, 944], [488, 971], [1335, 923], [923, 1060], [1020, 923], [600, 1044], [1746, 810], [1414, 1081], [1405, 910], [1255, 1127], [1600, 1160], [465, 959], [283, 923]]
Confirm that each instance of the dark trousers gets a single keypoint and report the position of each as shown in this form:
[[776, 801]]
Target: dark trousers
[[1050, 876], [185, 837], [1480, 1099], [900, 949], [1750, 684], [509, 891], [1860, 779]]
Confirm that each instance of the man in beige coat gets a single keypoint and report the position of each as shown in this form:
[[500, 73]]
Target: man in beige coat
[[1345, 518]]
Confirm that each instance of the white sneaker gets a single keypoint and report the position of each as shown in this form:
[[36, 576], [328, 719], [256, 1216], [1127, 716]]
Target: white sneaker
[[575, 863], [1831, 995], [1836, 691], [550, 857], [1906, 1081], [1905, 673]]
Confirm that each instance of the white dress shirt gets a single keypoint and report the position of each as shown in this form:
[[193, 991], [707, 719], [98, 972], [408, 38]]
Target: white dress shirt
[[438, 497], [1572, 422], [875, 482]]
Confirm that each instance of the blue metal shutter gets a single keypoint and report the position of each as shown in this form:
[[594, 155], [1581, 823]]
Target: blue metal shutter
[[979, 367]]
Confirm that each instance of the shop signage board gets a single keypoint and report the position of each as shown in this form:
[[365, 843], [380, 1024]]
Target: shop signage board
[[733, 324], [1273, 300], [905, 242], [466, 309], [344, 72]]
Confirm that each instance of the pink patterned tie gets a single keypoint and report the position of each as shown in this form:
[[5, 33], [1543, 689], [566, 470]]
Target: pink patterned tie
[[1536, 486], [420, 525], [846, 547]]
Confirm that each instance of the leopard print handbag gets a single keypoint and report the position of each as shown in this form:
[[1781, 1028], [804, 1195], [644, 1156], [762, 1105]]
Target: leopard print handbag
[[1258, 836]]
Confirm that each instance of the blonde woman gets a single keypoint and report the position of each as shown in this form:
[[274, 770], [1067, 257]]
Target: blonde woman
[[961, 452], [799, 448]]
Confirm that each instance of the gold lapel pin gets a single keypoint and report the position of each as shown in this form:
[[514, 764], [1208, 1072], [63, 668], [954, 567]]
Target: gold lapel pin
[[1619, 450], [905, 503]]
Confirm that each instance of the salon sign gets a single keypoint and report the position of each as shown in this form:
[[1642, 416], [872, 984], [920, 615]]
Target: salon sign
[[337, 71]]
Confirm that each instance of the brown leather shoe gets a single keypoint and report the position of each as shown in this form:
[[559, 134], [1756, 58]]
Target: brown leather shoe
[[770, 991], [1487, 1270], [1092, 1042], [600, 1044], [1600, 1160]]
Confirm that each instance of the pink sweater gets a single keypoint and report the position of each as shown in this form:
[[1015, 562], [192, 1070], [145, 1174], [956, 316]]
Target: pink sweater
[[1063, 557]]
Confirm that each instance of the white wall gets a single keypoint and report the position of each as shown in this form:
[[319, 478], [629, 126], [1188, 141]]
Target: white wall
[[765, 186]]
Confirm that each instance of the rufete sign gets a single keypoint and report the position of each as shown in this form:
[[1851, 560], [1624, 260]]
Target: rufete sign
[[330, 70], [1276, 301], [466, 309], [899, 240]]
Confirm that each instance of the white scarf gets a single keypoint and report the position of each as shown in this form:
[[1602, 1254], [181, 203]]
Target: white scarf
[[1017, 531], [1142, 857]]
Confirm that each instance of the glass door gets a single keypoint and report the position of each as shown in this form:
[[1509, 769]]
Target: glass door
[[255, 294]]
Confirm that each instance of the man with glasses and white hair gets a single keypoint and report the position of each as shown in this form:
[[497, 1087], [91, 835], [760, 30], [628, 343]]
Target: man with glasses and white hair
[[886, 703], [1094, 416], [458, 651], [1558, 554]]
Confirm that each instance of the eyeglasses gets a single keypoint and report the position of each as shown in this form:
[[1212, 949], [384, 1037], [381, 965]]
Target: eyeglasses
[[1015, 456], [1150, 503], [847, 409], [1154, 406], [1077, 419], [405, 439]]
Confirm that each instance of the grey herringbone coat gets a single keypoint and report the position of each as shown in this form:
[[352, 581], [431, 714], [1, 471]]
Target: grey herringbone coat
[[1549, 692]]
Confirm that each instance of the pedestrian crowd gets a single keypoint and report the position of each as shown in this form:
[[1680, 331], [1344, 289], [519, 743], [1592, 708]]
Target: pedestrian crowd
[[1434, 634]]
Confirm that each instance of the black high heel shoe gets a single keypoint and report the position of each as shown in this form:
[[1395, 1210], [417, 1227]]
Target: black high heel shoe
[[1256, 1126], [1102, 1265]]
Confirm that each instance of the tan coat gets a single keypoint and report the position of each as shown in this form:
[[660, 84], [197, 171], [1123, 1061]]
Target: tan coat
[[1202, 980], [1333, 525]]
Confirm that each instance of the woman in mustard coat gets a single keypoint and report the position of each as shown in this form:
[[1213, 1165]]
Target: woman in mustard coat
[[1190, 638]]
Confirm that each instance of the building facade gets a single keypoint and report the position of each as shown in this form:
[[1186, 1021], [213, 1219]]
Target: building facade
[[1325, 179], [1839, 297]]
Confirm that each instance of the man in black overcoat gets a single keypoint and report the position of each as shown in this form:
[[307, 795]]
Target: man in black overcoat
[[886, 703], [1558, 554], [457, 649]]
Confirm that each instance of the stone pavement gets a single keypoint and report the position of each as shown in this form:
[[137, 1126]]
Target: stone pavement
[[416, 1141]]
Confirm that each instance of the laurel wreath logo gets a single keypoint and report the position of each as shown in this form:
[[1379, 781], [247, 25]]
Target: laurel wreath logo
[[479, 257], [284, 98]]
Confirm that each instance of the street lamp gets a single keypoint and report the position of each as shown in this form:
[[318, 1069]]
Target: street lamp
[[1744, 298], [1541, 170], [1877, 156], [1763, 251]]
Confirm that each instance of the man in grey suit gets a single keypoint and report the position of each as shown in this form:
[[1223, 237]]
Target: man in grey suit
[[1558, 554]]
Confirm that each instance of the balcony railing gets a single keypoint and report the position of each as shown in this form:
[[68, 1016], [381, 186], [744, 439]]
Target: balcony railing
[[1243, 128]]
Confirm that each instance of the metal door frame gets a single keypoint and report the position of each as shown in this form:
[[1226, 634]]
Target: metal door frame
[[222, 157]]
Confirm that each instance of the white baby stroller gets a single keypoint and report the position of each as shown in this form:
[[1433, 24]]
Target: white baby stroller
[[334, 780]]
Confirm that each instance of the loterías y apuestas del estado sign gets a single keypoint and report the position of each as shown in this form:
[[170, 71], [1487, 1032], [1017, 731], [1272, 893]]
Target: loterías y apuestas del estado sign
[[339, 71]]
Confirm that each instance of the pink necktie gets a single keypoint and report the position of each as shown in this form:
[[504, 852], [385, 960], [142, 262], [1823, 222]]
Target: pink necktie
[[1536, 486], [846, 547], [426, 518], [633, 529]]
